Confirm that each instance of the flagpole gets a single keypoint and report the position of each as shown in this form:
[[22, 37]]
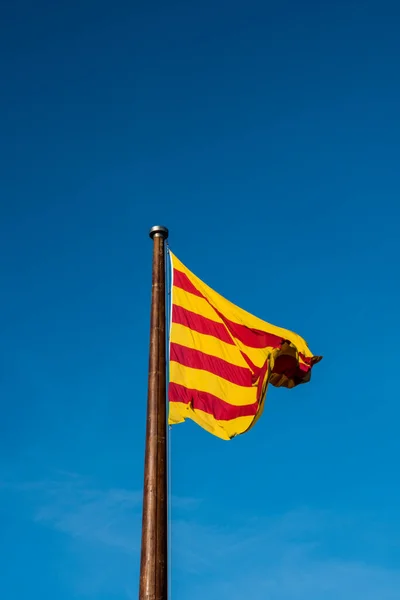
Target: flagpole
[[154, 559]]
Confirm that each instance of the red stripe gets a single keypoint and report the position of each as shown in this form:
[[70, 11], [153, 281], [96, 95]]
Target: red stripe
[[249, 362], [205, 362], [255, 370], [253, 338], [219, 409], [303, 368], [181, 280], [307, 359], [196, 322]]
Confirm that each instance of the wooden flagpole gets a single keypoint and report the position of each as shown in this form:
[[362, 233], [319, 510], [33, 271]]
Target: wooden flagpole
[[154, 553]]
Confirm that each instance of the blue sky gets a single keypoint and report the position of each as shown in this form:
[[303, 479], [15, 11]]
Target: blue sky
[[266, 137]]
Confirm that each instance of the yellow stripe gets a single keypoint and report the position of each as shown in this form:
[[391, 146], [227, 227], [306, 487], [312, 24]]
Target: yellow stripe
[[208, 382], [225, 430], [195, 304], [206, 343], [238, 315]]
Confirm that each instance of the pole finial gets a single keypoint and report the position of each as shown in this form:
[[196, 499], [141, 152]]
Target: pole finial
[[158, 231]]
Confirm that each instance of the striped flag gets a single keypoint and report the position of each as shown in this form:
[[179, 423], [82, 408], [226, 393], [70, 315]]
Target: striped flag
[[222, 358]]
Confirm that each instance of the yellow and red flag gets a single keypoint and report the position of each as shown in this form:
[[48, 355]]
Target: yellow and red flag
[[222, 358]]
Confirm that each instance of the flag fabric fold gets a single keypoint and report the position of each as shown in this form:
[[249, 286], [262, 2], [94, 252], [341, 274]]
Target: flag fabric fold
[[221, 358]]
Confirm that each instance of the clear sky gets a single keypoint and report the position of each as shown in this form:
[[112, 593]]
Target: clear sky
[[266, 136]]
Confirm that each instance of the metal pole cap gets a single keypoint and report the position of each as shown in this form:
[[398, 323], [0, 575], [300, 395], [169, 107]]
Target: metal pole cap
[[158, 231]]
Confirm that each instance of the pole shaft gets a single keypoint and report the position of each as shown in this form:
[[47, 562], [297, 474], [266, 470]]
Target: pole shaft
[[153, 564]]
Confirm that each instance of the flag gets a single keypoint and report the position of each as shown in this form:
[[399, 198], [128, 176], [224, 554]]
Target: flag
[[221, 358]]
